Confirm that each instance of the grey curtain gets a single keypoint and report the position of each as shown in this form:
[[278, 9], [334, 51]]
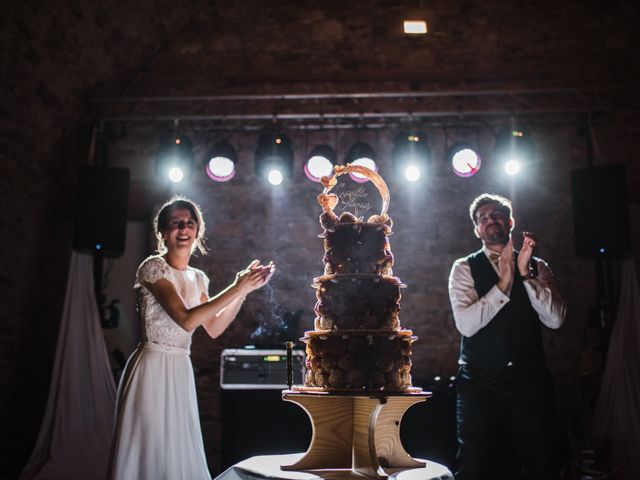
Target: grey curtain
[[617, 412], [76, 430]]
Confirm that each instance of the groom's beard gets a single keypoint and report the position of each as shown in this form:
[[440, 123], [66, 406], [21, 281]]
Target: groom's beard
[[497, 236]]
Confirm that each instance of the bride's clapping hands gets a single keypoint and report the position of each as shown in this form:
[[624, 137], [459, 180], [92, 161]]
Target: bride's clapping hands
[[266, 270], [254, 276]]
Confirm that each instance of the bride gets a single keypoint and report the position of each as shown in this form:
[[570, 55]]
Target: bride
[[157, 428]]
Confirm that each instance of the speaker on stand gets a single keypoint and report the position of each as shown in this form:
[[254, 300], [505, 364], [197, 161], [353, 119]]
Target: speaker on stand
[[600, 212], [602, 233], [100, 217], [100, 221]]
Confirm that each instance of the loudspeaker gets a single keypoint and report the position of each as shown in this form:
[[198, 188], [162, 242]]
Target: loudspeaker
[[101, 210], [601, 212], [259, 422]]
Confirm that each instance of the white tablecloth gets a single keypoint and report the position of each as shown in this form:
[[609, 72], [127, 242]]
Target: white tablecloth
[[268, 466]]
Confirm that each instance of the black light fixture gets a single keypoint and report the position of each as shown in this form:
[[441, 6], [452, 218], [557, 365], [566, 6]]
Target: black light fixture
[[174, 157], [274, 158], [220, 162], [410, 155], [362, 154], [464, 159], [320, 162], [514, 148]]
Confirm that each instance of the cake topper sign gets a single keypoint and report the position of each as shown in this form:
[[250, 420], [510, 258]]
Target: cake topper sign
[[353, 199], [357, 198]]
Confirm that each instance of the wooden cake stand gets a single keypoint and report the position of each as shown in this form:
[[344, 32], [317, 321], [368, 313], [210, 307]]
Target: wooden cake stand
[[355, 431]]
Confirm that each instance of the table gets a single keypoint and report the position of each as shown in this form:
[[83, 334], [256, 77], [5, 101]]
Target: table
[[268, 467]]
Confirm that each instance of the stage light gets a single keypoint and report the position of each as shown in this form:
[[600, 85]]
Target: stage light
[[274, 158], [175, 174], [512, 167], [464, 160], [412, 173], [320, 162], [174, 158], [410, 155], [275, 177], [361, 153], [514, 149], [220, 163]]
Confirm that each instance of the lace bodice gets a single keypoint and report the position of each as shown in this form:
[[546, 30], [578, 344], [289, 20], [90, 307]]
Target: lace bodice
[[155, 324]]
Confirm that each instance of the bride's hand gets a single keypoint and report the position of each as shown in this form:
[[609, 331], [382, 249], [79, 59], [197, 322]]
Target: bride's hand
[[267, 270], [254, 276]]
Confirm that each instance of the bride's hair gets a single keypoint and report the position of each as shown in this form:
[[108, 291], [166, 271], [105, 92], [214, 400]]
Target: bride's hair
[[161, 222]]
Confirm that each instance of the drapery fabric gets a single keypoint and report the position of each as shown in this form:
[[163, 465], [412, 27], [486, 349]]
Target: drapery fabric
[[617, 412], [76, 430]]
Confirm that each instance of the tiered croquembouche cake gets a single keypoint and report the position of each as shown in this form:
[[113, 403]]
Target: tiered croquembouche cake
[[357, 343]]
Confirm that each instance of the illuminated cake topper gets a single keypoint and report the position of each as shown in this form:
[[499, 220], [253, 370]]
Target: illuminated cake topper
[[329, 201]]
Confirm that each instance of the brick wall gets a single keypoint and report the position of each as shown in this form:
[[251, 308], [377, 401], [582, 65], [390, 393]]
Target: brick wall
[[247, 219], [55, 56]]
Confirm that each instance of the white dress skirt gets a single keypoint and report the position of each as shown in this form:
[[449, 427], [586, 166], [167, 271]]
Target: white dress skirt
[[157, 430]]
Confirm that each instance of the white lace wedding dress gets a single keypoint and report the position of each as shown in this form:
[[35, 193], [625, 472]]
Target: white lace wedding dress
[[157, 431]]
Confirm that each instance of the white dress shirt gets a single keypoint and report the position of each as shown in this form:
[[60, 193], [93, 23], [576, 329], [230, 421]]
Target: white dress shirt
[[471, 313]]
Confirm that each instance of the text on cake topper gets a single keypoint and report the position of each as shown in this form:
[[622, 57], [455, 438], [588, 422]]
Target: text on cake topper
[[354, 199]]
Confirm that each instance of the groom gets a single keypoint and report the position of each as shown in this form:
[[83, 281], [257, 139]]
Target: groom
[[500, 299]]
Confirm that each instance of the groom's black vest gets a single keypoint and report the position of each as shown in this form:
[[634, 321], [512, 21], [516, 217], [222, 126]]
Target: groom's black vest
[[512, 340]]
